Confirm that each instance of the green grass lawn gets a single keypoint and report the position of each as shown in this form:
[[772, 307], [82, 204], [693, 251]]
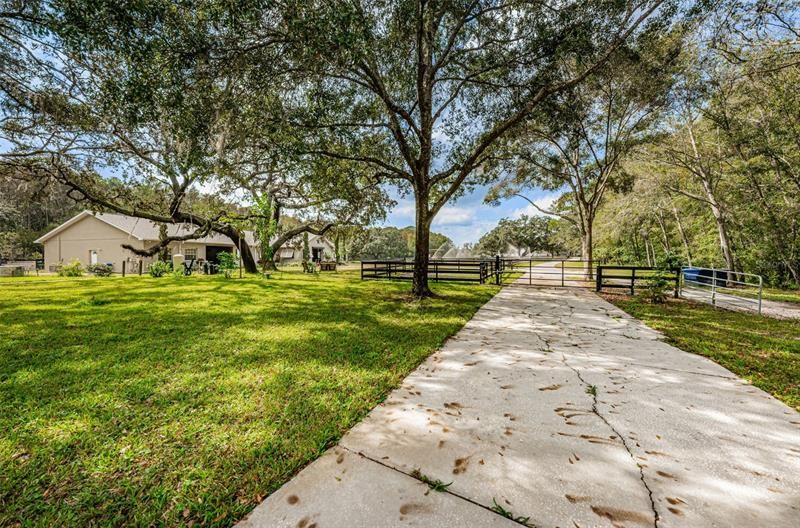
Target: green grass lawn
[[770, 294], [774, 294], [764, 351], [169, 401]]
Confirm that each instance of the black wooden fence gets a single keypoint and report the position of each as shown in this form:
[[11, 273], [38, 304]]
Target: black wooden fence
[[629, 277], [458, 270]]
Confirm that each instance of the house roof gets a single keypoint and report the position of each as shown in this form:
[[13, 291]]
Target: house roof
[[141, 229]]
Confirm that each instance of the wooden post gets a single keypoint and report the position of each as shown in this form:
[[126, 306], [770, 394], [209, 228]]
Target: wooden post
[[677, 282], [497, 269], [714, 287], [598, 276], [140, 267], [123, 268], [633, 281]]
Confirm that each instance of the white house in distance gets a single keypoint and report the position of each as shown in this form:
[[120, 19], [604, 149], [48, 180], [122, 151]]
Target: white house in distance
[[97, 238]]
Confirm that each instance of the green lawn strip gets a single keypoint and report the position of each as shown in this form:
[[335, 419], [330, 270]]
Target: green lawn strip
[[175, 401], [769, 294], [571, 264], [764, 351], [774, 294]]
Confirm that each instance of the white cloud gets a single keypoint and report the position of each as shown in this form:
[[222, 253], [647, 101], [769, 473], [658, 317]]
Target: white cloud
[[544, 202], [454, 216], [404, 210]]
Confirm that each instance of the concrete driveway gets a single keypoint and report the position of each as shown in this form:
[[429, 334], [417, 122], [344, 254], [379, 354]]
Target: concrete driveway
[[554, 408]]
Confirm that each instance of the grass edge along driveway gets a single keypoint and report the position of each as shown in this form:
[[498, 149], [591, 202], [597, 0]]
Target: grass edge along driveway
[[186, 401], [761, 350]]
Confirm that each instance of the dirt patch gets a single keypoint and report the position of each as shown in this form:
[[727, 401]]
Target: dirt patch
[[414, 507], [577, 498], [617, 516], [460, 465], [551, 387]]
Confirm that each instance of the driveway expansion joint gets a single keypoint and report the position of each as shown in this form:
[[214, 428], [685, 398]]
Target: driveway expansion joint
[[447, 491]]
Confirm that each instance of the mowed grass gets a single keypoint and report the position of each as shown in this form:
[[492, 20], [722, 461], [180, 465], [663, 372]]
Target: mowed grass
[[762, 350], [173, 401], [771, 294]]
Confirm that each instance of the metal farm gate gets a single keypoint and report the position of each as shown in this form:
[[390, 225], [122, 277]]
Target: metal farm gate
[[551, 272]]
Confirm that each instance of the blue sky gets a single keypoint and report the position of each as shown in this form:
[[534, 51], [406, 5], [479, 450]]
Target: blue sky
[[468, 218]]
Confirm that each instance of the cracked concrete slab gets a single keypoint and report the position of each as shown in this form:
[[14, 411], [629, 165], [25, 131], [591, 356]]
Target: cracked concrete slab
[[563, 410], [344, 489]]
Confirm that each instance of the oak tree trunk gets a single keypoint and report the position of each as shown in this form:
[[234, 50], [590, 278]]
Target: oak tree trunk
[[420, 286], [240, 242], [587, 250]]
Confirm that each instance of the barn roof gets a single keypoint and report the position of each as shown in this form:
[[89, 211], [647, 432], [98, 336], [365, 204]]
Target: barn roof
[[141, 229]]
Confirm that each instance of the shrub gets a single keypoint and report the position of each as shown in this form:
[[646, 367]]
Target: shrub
[[101, 270], [656, 289], [227, 263], [158, 269], [73, 269]]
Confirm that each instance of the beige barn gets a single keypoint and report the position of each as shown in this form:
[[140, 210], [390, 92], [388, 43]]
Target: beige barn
[[97, 238]]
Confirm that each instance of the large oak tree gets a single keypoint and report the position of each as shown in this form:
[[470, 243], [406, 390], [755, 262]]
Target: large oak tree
[[425, 91], [578, 145], [136, 107]]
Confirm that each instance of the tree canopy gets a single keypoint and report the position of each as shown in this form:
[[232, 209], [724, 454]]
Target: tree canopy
[[666, 126]]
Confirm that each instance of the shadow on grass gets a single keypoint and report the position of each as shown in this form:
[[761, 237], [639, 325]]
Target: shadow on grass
[[185, 400]]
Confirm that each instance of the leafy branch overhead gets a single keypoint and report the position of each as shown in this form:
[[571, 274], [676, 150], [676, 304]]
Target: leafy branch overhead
[[314, 107]]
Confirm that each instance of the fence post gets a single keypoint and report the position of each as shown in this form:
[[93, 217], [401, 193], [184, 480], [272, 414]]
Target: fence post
[[598, 276], [713, 287], [497, 269], [530, 271], [140, 267], [633, 281], [123, 269], [563, 264], [760, 289], [435, 272], [677, 282], [362, 270]]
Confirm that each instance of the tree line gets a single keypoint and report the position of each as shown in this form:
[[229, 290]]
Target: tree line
[[690, 152], [523, 237]]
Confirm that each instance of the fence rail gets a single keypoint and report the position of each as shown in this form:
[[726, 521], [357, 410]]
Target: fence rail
[[731, 289], [628, 278], [439, 270], [543, 271]]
